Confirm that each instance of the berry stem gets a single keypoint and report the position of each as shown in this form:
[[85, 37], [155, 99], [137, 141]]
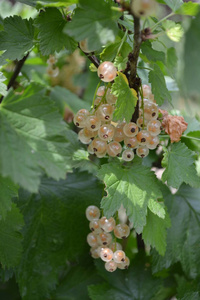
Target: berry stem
[[163, 19], [122, 42], [95, 93], [142, 97]]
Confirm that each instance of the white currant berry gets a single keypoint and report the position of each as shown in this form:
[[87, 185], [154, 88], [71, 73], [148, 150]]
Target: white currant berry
[[104, 238], [143, 8], [110, 98], [114, 149], [143, 137], [115, 246], [99, 146], [121, 231], [90, 149], [130, 129], [119, 134], [84, 46], [94, 226], [153, 143], [125, 264], [93, 123], [53, 72], [107, 224], [101, 155], [131, 142], [92, 240], [127, 155], [97, 102], [106, 254], [92, 212], [150, 111], [154, 127], [107, 71], [140, 123], [142, 151], [146, 89], [105, 112], [119, 256], [84, 139], [101, 91], [94, 252], [106, 132], [52, 60], [110, 266], [90, 134]]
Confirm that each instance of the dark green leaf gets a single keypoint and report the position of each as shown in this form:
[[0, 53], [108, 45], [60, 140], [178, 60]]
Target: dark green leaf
[[7, 190], [3, 87], [44, 3], [171, 59], [151, 54]]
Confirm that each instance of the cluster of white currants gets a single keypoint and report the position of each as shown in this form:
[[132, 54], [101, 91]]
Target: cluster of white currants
[[101, 240], [52, 70], [104, 136]]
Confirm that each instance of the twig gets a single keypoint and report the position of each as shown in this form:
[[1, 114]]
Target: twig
[[17, 70], [92, 58]]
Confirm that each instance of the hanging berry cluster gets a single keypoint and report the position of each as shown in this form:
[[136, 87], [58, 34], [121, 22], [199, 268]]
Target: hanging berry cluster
[[104, 136], [102, 240]]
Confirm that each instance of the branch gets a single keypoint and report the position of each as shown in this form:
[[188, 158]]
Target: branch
[[17, 70], [92, 58]]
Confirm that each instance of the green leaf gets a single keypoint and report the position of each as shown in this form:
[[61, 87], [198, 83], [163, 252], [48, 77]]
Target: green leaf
[[171, 59], [11, 238], [3, 87], [48, 3], [155, 232], [17, 37], [94, 20], [188, 8], [33, 138], [173, 30], [126, 284], [151, 54], [158, 85], [193, 125], [133, 187], [50, 24], [174, 4], [180, 166], [183, 237], [187, 289], [126, 98], [191, 58], [8, 190], [55, 231]]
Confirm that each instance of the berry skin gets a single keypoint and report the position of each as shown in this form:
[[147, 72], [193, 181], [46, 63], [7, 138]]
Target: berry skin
[[119, 256], [142, 151], [115, 246], [92, 212], [52, 72], [106, 132], [90, 149], [150, 111], [106, 254], [153, 143], [110, 266], [143, 8], [114, 149], [88, 133], [92, 240], [146, 90], [104, 238], [80, 118], [121, 231], [153, 127], [101, 91], [107, 71], [130, 129], [97, 102], [94, 226], [99, 146], [125, 264], [119, 134], [143, 137], [140, 122], [84, 139], [105, 112], [94, 252], [84, 46], [110, 98], [127, 155], [107, 224], [131, 142], [92, 123]]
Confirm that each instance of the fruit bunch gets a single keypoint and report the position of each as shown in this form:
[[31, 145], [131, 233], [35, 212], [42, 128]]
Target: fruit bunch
[[104, 136], [52, 70], [102, 239]]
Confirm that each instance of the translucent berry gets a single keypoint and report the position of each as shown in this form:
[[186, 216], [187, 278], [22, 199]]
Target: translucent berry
[[53, 72], [142, 151], [140, 122], [110, 98], [101, 91], [105, 112], [98, 145], [143, 8], [114, 149], [52, 60], [146, 89], [110, 266], [104, 238], [101, 155], [130, 129], [119, 134], [115, 246], [150, 111], [153, 143], [97, 102], [94, 252], [94, 226], [92, 240], [107, 71], [90, 149], [106, 254], [127, 155], [121, 231], [92, 212], [93, 123], [84, 46], [106, 132], [80, 120], [131, 142], [88, 133], [125, 264], [119, 256], [107, 224], [153, 127], [84, 139], [143, 137]]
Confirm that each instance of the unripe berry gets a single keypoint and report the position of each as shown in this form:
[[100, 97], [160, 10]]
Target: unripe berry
[[127, 155], [114, 149], [130, 129], [110, 266], [107, 71], [119, 256], [142, 151], [106, 254], [121, 231], [92, 212], [153, 127], [92, 240], [125, 264], [106, 132], [143, 137], [110, 98]]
